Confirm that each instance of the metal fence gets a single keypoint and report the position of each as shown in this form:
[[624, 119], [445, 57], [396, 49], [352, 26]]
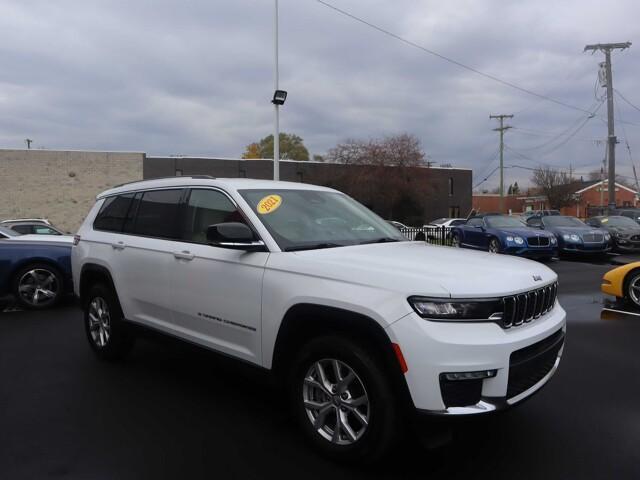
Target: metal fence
[[434, 235]]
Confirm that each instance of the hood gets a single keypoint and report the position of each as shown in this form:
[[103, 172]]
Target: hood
[[417, 268], [623, 230], [576, 230], [525, 232], [64, 239]]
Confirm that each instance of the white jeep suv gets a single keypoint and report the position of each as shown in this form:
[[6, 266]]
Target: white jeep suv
[[365, 329]]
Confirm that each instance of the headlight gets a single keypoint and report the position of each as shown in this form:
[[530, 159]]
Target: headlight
[[553, 240], [571, 238], [457, 310], [518, 240], [607, 236]]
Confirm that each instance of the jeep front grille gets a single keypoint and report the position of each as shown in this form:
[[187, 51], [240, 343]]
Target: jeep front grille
[[527, 306]]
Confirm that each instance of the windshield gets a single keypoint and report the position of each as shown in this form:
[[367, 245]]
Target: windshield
[[500, 221], [6, 232], [618, 222], [307, 219], [559, 221]]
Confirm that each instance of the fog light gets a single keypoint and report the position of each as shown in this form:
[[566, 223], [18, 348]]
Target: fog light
[[455, 376]]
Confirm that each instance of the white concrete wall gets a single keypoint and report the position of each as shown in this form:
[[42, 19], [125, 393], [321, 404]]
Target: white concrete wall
[[60, 185]]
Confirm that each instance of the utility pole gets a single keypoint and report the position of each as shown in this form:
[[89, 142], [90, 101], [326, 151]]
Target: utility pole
[[501, 129], [606, 48], [276, 135], [28, 141]]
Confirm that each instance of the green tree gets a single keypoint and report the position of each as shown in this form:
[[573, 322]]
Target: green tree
[[291, 147]]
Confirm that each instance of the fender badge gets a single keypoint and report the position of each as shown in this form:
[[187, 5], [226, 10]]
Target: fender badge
[[537, 278]]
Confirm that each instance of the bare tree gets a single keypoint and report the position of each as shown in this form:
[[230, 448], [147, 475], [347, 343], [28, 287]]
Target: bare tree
[[381, 174], [557, 186]]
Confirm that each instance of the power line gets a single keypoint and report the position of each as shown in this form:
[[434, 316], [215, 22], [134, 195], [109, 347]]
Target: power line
[[450, 60], [624, 98]]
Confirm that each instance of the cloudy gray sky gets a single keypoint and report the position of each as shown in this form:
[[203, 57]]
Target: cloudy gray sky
[[195, 77]]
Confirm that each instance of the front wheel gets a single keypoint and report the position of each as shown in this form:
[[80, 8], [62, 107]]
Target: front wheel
[[343, 400], [494, 246]]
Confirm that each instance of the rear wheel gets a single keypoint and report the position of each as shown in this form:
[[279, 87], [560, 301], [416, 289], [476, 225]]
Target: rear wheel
[[455, 240], [494, 246], [107, 332], [343, 400], [38, 286]]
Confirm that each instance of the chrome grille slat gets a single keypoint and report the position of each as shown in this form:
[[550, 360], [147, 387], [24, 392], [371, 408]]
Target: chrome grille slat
[[525, 307]]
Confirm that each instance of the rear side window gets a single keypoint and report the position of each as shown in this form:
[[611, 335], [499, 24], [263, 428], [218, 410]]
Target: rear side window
[[475, 222], [158, 214], [22, 229], [113, 213], [205, 208]]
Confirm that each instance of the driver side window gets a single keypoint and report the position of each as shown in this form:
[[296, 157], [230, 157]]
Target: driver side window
[[204, 208], [475, 222], [534, 222]]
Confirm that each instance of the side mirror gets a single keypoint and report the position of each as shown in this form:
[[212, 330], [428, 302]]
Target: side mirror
[[234, 235]]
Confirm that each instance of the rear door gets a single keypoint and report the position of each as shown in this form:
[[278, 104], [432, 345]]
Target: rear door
[[143, 256], [216, 293]]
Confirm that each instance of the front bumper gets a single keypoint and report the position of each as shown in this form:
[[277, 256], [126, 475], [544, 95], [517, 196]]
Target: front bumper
[[434, 348], [532, 252], [585, 248]]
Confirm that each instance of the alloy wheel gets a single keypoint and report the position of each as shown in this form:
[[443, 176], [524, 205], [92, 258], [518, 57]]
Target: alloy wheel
[[38, 287], [99, 321], [494, 247], [455, 241], [336, 402], [634, 290]]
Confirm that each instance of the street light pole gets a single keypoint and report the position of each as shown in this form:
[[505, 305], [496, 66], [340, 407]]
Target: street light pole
[[276, 136]]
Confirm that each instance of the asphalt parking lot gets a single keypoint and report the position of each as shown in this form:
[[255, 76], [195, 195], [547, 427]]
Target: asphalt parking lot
[[174, 411]]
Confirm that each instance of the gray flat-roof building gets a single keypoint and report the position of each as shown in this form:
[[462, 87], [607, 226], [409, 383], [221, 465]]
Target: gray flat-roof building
[[442, 192]]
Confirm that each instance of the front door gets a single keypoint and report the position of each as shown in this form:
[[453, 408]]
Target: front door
[[216, 292]]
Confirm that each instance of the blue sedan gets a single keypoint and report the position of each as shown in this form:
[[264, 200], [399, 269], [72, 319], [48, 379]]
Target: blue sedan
[[574, 236], [504, 234], [36, 273]]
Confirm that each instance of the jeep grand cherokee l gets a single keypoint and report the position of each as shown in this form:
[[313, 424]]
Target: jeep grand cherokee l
[[362, 327]]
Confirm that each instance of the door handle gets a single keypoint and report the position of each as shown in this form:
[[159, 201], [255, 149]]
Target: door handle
[[118, 246], [184, 255]]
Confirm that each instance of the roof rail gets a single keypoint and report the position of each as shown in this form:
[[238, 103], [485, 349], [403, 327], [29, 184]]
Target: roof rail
[[196, 177]]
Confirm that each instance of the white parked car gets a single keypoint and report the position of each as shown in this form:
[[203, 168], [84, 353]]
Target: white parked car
[[9, 234], [365, 329]]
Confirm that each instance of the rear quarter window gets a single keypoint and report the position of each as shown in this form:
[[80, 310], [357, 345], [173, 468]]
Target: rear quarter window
[[113, 212]]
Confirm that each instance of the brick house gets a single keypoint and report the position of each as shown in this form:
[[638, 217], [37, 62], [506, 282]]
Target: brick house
[[587, 195]]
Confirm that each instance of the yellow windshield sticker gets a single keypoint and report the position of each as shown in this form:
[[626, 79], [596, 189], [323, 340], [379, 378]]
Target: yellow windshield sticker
[[269, 204], [604, 220]]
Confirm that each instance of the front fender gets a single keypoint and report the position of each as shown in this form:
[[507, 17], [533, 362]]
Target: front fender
[[613, 280]]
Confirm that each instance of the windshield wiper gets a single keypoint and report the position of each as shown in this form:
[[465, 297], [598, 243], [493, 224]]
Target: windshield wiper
[[314, 246], [380, 240]]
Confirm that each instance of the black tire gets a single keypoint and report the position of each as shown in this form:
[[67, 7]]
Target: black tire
[[22, 279], [631, 279], [495, 242], [120, 339], [455, 240], [380, 435]]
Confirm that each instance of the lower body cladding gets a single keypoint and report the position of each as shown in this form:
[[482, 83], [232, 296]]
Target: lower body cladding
[[467, 368]]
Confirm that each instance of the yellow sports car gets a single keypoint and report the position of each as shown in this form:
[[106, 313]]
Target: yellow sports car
[[623, 283]]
